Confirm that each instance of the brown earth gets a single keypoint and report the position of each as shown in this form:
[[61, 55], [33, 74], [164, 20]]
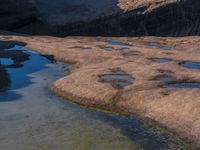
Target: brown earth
[[173, 108]]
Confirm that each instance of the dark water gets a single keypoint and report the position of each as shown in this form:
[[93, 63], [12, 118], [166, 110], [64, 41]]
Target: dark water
[[5, 79], [30, 112]]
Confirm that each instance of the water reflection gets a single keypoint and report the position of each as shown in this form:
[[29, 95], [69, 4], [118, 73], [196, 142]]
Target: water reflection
[[4, 79], [119, 43], [185, 85], [190, 64], [162, 47], [16, 63], [161, 60]]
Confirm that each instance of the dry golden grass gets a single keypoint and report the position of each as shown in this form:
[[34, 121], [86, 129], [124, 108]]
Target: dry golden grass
[[150, 4]]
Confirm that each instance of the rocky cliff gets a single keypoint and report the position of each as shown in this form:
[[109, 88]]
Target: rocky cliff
[[61, 12], [106, 17], [161, 18], [16, 13]]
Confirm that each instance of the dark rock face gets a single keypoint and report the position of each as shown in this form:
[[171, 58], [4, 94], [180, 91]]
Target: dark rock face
[[181, 18], [16, 13]]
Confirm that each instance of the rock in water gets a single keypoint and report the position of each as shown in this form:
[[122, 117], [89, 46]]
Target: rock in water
[[16, 13]]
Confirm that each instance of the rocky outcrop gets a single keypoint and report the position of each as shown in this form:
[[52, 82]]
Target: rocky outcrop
[[105, 18], [61, 12], [180, 18], [16, 13]]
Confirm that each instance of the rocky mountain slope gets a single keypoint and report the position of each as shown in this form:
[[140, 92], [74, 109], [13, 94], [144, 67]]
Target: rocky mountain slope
[[158, 18], [106, 17], [16, 13], [61, 12]]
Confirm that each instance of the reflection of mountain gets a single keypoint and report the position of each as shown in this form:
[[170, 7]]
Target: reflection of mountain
[[17, 65], [4, 79], [9, 44], [14, 56]]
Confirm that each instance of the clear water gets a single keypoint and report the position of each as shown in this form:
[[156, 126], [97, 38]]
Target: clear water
[[6, 61], [130, 53], [165, 48], [162, 47], [153, 44], [117, 42], [191, 64], [117, 77], [161, 60], [32, 117], [166, 71], [183, 85], [117, 80], [166, 79], [120, 84]]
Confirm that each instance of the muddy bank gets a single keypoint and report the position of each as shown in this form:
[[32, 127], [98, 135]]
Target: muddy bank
[[120, 75]]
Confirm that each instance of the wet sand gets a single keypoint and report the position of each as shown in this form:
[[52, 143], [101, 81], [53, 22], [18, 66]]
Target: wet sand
[[173, 108]]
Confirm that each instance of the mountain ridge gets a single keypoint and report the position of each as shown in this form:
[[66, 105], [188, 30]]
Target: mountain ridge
[[115, 18]]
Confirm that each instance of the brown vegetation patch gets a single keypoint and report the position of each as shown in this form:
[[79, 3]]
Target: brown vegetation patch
[[149, 4]]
